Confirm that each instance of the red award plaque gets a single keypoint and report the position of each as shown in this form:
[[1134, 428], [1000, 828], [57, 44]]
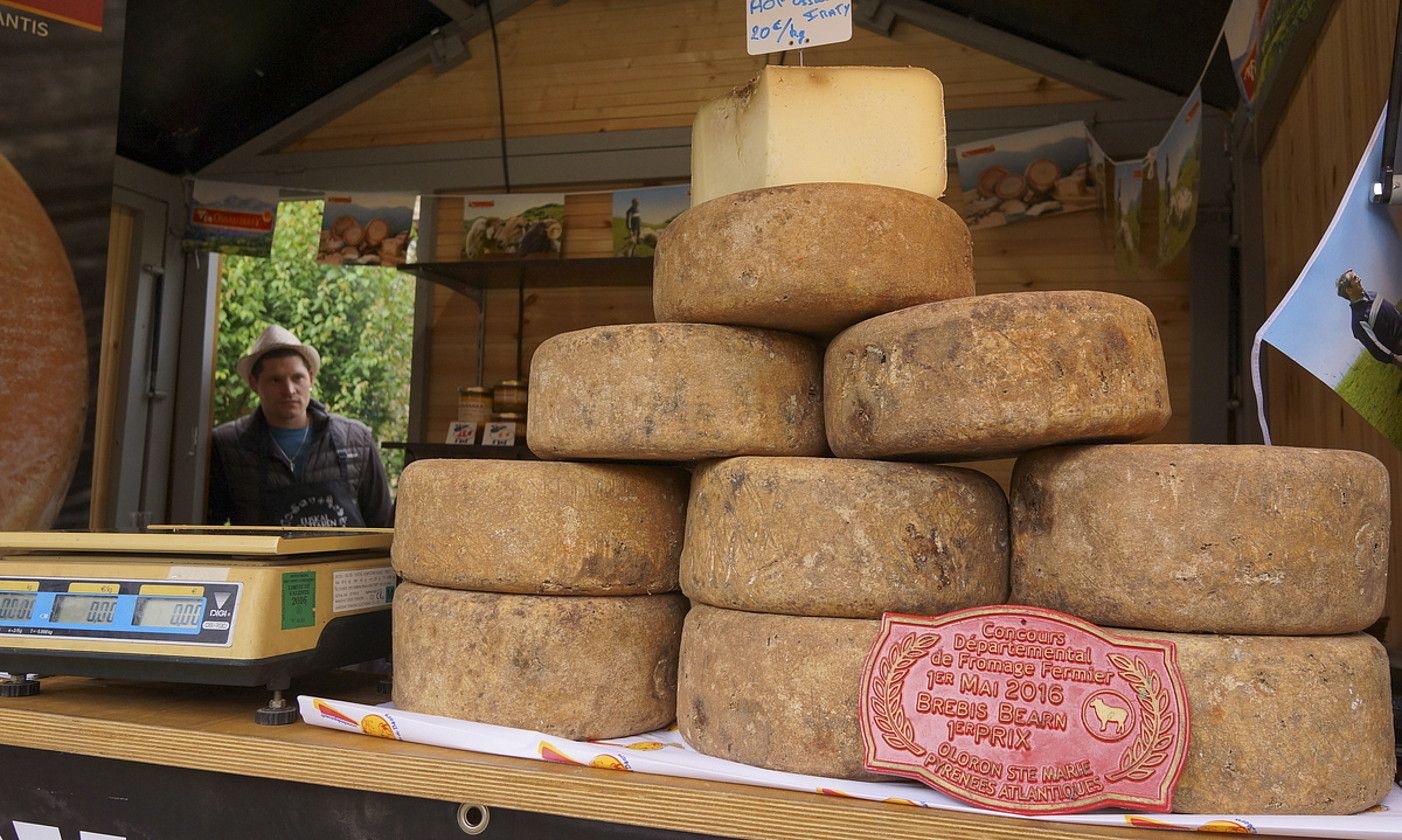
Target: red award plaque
[[1025, 710]]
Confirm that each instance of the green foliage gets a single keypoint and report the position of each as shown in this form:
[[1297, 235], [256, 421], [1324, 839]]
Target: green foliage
[[1372, 388], [359, 318]]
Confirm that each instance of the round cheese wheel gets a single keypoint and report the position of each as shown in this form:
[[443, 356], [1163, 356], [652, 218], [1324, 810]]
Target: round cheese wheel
[[849, 539], [540, 527], [810, 258], [675, 392], [775, 691], [43, 362], [1284, 724], [995, 375], [1198, 538], [581, 668]]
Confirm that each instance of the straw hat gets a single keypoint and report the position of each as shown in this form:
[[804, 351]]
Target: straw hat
[[277, 338]]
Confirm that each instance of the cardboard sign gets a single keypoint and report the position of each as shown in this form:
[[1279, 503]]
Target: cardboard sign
[[778, 25], [462, 432], [1025, 710]]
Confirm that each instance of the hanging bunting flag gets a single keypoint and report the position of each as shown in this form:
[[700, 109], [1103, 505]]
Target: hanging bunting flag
[[1257, 32], [1129, 191], [640, 216], [1102, 184], [1341, 319], [1179, 167], [231, 219], [513, 225], [1025, 175], [366, 229]]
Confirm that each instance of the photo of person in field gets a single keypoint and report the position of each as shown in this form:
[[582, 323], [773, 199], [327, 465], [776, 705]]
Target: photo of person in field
[[1376, 322]]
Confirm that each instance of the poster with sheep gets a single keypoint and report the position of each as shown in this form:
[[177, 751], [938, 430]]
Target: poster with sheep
[[367, 229], [1025, 175], [1179, 167], [1342, 320], [1129, 193], [640, 216], [513, 225]]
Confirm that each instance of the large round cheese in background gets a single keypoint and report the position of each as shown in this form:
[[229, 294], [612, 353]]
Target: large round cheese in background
[[1283, 724], [43, 362], [842, 538], [775, 691], [578, 667], [995, 375], [810, 258], [675, 392], [1198, 538], [540, 527]]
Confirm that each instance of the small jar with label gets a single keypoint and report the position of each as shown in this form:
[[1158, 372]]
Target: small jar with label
[[509, 396], [474, 405]]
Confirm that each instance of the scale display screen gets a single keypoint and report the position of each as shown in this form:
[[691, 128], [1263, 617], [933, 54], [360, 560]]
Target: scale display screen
[[131, 610]]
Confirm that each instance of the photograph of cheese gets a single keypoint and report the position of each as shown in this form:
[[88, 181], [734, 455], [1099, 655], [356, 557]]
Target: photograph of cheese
[[367, 229], [1025, 175]]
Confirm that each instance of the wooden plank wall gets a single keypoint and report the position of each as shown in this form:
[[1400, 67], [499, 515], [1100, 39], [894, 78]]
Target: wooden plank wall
[[1305, 171], [613, 65], [1067, 252]]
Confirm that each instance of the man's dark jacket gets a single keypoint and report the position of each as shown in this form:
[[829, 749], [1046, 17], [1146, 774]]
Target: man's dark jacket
[[245, 455], [1378, 326]]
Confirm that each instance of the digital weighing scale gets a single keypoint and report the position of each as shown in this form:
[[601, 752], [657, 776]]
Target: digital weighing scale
[[220, 606]]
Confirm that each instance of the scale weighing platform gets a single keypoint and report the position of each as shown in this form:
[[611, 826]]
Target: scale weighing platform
[[220, 606]]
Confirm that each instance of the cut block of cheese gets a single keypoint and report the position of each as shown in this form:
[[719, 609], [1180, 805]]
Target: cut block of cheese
[[810, 258], [540, 527], [995, 375], [581, 668], [849, 539], [775, 691], [795, 125], [1283, 724], [1198, 538], [675, 392], [43, 361]]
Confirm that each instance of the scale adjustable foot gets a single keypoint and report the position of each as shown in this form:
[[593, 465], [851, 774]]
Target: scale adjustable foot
[[278, 712], [18, 687]]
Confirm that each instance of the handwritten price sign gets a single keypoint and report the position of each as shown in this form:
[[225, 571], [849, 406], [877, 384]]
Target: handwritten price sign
[[775, 25]]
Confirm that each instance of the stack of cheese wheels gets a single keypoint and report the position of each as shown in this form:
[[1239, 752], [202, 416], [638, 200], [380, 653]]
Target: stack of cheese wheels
[[1262, 565], [539, 595]]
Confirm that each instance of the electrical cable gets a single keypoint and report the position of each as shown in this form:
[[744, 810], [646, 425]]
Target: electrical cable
[[501, 97]]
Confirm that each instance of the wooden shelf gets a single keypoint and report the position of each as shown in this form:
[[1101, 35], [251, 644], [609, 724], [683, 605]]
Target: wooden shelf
[[420, 451], [163, 724], [558, 273]]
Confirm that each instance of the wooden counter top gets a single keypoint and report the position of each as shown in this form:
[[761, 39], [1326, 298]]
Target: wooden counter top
[[211, 728]]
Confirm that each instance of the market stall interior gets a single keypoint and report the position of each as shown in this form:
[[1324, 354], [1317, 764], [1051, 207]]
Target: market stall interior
[[481, 211]]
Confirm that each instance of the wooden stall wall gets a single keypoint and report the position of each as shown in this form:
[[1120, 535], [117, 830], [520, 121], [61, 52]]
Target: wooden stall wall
[[610, 65], [1305, 170]]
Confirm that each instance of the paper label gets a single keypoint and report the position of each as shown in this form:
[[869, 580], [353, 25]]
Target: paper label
[[1025, 710], [777, 25], [361, 589], [499, 434], [298, 599], [462, 432]]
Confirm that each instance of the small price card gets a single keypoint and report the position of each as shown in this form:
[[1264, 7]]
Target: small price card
[[499, 434], [459, 432], [1025, 710], [777, 25]]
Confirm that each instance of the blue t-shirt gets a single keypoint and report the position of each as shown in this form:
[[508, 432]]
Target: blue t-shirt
[[294, 444]]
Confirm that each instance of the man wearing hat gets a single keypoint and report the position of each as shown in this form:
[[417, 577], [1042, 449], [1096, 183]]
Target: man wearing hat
[[1376, 323], [291, 462]]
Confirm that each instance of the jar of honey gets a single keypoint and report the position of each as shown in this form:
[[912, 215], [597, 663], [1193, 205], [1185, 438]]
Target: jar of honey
[[510, 396], [474, 405]]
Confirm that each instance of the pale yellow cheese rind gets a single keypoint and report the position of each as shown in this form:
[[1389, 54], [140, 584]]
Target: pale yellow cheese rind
[[775, 691], [540, 527], [581, 668], [843, 538], [1283, 724], [795, 125], [810, 258], [675, 392], [995, 375], [1268, 540]]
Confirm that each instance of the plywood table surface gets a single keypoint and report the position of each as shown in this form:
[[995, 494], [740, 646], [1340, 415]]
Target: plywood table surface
[[160, 723]]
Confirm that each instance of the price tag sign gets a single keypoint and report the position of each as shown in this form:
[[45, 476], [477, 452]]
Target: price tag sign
[[777, 25], [1025, 710], [499, 434]]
